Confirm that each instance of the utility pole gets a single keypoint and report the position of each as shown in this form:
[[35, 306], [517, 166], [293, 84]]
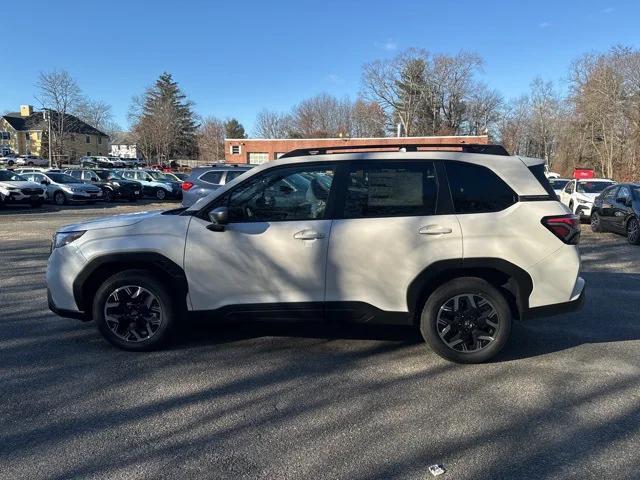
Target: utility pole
[[47, 114]]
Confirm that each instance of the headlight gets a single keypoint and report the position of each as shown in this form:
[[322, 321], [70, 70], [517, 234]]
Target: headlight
[[582, 201], [65, 238]]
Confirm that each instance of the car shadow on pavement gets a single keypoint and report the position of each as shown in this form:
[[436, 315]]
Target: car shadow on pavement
[[595, 323]]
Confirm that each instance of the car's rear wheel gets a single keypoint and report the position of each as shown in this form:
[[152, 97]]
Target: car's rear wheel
[[134, 311], [466, 320], [161, 194], [595, 223], [108, 196], [59, 198], [633, 231]]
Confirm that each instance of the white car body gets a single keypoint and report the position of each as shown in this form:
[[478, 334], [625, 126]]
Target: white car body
[[369, 267], [581, 202], [21, 192], [32, 161]]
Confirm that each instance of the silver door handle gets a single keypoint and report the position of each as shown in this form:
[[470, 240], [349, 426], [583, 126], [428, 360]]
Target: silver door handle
[[308, 235], [434, 230]]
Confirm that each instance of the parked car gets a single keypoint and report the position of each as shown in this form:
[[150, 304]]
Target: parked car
[[152, 187], [114, 186], [204, 180], [558, 184], [96, 162], [15, 189], [32, 161], [617, 209], [579, 195], [177, 176], [62, 188], [8, 160], [374, 237]]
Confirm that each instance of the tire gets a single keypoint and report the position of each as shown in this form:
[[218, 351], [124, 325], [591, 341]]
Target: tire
[[437, 310], [59, 198], [633, 231], [596, 227], [571, 207], [30, 164], [126, 284], [107, 196], [160, 194], [11, 163]]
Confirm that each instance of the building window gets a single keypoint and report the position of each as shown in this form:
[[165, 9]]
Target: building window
[[88, 154], [256, 158], [39, 135], [87, 139], [5, 135], [235, 150], [99, 140], [26, 136]]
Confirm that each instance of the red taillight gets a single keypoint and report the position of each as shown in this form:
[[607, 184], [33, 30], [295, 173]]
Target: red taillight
[[186, 186], [565, 227]]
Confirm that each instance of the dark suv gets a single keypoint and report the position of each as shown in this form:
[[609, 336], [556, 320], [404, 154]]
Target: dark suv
[[206, 179], [113, 186], [617, 209]]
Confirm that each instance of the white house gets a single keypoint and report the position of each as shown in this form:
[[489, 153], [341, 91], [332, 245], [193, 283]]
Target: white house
[[125, 150]]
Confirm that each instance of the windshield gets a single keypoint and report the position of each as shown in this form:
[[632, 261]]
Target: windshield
[[103, 174], [558, 183], [592, 187], [62, 178], [7, 176]]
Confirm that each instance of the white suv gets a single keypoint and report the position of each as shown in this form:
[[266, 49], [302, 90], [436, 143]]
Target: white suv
[[579, 195], [456, 243]]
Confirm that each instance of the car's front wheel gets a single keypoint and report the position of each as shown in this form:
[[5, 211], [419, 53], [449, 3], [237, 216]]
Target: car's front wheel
[[633, 231], [59, 198], [134, 311], [161, 194], [595, 222], [107, 196], [466, 320]]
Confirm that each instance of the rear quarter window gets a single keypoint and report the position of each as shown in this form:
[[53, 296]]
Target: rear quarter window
[[476, 189]]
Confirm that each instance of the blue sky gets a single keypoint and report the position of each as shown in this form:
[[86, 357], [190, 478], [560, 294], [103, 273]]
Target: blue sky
[[236, 58]]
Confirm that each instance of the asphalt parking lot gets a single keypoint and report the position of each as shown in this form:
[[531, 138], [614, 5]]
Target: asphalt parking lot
[[299, 401]]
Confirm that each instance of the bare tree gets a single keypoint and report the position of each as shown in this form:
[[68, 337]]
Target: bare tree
[[98, 114], [322, 116], [210, 136], [483, 110], [273, 125], [368, 119], [59, 93]]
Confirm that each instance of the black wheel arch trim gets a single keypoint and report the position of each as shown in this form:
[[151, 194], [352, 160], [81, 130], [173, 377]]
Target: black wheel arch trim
[[518, 281], [90, 275]]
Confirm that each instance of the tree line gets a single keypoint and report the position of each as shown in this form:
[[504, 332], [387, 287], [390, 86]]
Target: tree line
[[594, 123]]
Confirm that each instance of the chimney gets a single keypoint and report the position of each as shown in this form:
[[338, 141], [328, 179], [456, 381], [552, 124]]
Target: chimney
[[26, 110]]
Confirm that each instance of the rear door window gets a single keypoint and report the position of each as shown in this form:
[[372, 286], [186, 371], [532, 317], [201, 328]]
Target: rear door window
[[232, 175], [391, 189], [476, 189], [212, 177]]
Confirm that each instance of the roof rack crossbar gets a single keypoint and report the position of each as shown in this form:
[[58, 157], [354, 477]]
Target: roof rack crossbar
[[464, 147]]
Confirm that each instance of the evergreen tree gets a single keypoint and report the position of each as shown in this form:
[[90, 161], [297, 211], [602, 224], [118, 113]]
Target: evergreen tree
[[167, 121], [234, 129]]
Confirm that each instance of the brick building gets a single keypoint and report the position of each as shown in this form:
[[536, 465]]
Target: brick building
[[259, 150]]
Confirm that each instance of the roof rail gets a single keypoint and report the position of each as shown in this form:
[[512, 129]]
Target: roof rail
[[463, 147]]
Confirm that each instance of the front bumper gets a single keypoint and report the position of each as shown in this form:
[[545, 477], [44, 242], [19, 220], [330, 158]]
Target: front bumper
[[21, 198], [584, 210], [66, 313], [84, 197]]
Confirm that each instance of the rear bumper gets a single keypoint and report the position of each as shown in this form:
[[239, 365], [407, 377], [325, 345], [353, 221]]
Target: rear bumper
[[576, 303]]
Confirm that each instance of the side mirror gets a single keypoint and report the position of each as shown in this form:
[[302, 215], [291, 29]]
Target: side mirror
[[219, 218]]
